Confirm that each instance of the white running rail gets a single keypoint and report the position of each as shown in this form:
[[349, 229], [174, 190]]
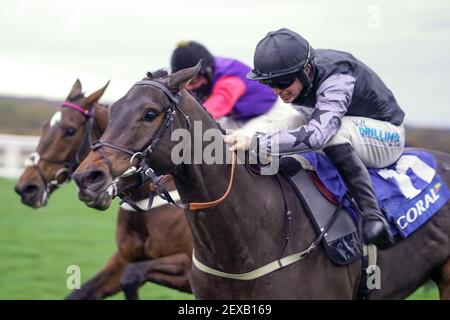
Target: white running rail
[[14, 149]]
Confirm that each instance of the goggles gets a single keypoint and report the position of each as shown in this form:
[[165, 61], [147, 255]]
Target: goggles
[[281, 82]]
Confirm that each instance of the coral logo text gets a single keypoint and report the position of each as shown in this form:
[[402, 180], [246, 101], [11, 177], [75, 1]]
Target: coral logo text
[[420, 207]]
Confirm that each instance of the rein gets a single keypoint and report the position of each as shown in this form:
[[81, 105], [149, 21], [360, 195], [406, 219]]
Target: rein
[[146, 172]]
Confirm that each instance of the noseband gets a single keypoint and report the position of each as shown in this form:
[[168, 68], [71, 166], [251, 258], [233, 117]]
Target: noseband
[[147, 172]]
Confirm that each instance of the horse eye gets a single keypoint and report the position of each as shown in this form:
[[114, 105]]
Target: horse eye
[[70, 132], [150, 115]]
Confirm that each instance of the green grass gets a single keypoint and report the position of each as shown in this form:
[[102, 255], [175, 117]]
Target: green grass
[[37, 246], [426, 292]]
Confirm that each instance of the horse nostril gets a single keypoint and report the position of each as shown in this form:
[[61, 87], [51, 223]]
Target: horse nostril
[[95, 177], [27, 190]]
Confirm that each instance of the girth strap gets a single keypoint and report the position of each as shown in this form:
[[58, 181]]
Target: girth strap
[[257, 273], [274, 265]]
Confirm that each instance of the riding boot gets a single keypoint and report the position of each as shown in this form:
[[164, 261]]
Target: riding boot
[[375, 228]]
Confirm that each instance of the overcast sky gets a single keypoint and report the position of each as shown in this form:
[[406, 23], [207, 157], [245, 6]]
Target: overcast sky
[[46, 44]]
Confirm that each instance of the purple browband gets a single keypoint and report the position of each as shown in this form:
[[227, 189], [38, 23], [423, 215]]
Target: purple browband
[[76, 107]]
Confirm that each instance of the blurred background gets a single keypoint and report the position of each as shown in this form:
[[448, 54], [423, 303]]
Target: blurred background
[[46, 45]]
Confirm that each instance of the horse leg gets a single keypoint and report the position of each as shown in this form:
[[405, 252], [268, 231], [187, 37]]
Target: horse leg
[[171, 271], [104, 283], [442, 280]]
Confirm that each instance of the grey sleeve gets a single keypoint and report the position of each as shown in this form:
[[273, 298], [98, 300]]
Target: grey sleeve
[[333, 98]]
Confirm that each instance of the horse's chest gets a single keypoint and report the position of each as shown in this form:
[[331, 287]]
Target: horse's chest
[[132, 245]]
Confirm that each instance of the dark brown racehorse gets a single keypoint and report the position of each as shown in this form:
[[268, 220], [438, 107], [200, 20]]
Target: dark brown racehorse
[[247, 229], [152, 246]]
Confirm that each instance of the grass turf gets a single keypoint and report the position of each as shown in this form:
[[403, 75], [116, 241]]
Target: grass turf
[[37, 246]]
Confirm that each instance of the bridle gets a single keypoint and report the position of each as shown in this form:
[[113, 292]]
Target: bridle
[[68, 167], [168, 119], [148, 173]]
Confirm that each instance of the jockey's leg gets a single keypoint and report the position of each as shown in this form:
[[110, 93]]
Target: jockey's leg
[[377, 143], [362, 142]]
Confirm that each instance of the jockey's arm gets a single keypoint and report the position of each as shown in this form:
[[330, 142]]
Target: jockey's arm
[[225, 93], [333, 98]]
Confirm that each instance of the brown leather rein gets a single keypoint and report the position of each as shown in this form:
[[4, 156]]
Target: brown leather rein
[[211, 204], [148, 172]]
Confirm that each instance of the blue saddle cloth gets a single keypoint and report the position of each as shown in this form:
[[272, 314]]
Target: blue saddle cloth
[[409, 191]]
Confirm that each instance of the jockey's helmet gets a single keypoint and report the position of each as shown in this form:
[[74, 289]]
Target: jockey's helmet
[[281, 53], [188, 54]]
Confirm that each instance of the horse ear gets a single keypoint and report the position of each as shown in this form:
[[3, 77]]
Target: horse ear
[[76, 90], [89, 101], [179, 79]]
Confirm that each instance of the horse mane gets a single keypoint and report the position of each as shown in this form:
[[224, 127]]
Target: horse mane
[[199, 101], [160, 73]]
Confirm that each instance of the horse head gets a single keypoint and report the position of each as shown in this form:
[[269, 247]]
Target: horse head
[[139, 129], [63, 144]]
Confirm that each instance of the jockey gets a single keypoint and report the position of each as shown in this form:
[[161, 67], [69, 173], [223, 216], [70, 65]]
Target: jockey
[[232, 100], [349, 113]]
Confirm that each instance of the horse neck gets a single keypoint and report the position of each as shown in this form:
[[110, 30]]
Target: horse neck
[[229, 235]]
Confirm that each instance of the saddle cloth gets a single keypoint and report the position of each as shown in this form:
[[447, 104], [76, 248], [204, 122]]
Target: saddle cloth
[[409, 191]]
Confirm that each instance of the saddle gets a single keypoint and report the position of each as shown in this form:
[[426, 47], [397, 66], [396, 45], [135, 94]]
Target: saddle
[[342, 240], [409, 192]]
